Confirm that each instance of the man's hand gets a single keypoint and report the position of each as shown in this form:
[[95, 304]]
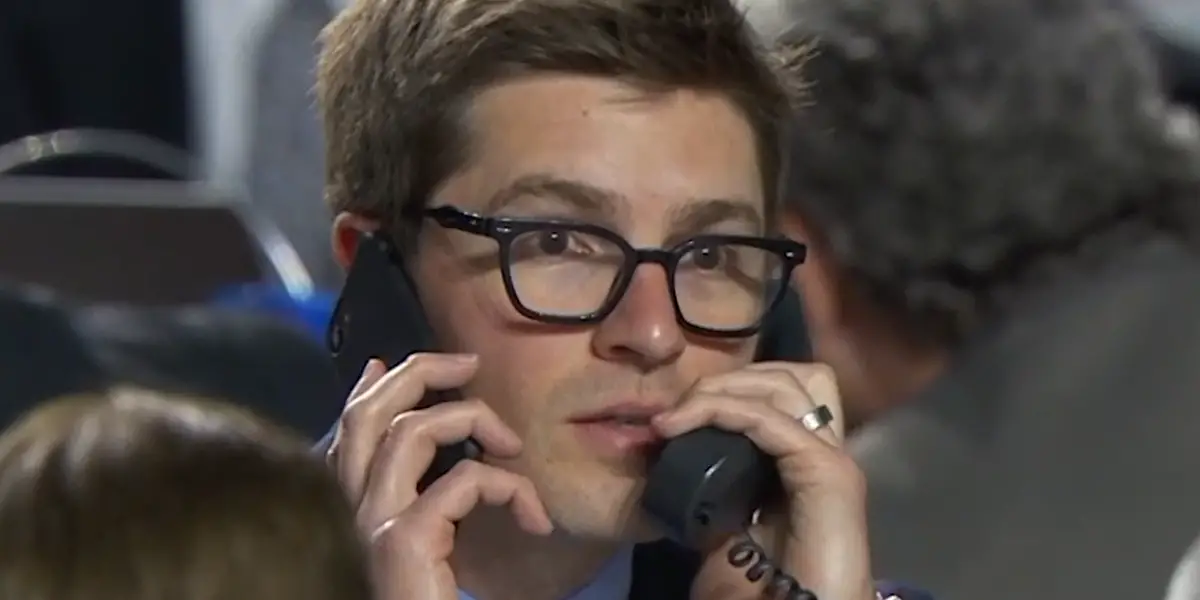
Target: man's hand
[[821, 537], [383, 447]]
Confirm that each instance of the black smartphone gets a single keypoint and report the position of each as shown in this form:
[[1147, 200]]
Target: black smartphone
[[704, 483], [379, 315]]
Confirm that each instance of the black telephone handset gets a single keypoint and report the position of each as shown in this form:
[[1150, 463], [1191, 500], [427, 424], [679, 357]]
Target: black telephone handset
[[379, 315], [709, 482], [705, 483]]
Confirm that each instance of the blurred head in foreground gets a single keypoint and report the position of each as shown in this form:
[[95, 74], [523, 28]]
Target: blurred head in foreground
[[135, 496]]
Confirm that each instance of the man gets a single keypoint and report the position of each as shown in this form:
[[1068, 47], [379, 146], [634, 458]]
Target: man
[[1001, 210], [517, 152]]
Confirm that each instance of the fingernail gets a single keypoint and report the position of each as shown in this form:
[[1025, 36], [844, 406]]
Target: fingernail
[[662, 422], [370, 367], [465, 358]]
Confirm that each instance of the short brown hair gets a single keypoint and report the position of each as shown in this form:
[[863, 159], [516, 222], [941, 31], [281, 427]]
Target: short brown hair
[[133, 496], [396, 78]]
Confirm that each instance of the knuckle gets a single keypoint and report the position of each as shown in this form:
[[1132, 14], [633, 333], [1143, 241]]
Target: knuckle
[[410, 423], [475, 406], [705, 384], [785, 378], [358, 411], [525, 485], [821, 374], [414, 361], [468, 469], [395, 536], [419, 362], [789, 377]]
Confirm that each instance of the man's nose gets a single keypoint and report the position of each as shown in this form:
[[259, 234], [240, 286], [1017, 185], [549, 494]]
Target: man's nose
[[644, 328]]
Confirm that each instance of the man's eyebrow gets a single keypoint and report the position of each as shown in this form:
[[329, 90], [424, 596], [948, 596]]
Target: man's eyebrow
[[693, 215], [704, 213], [575, 194]]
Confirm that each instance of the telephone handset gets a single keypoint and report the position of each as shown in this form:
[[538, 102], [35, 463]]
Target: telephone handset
[[703, 483], [379, 315], [709, 482]]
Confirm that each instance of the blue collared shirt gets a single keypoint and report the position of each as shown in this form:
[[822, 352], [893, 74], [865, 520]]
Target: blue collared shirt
[[611, 583], [616, 576]]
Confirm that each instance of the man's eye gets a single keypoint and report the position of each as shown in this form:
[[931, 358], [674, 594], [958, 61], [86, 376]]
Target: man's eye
[[708, 258], [554, 243]]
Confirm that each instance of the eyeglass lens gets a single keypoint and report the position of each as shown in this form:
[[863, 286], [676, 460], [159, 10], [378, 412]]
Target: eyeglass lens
[[568, 273]]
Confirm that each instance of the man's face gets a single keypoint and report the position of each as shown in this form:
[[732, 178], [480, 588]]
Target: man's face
[[656, 169]]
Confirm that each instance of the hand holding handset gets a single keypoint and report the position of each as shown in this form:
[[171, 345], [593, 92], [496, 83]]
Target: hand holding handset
[[379, 315], [704, 483]]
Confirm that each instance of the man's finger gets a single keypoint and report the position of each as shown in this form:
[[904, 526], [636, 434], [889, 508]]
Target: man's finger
[[819, 381], [372, 372], [407, 451], [368, 416], [778, 387], [772, 430], [470, 483]]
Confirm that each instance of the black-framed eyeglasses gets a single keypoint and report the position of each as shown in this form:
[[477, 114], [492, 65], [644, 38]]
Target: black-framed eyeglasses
[[566, 272]]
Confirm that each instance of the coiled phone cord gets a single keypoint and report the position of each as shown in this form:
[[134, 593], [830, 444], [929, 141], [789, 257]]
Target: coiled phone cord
[[750, 555]]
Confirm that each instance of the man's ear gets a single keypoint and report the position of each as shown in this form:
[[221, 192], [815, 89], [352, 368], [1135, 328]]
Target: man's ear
[[346, 229]]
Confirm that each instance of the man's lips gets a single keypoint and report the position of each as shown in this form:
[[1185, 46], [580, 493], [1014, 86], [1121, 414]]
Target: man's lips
[[620, 429], [634, 412]]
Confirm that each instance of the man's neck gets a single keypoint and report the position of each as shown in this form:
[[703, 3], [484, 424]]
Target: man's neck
[[494, 560]]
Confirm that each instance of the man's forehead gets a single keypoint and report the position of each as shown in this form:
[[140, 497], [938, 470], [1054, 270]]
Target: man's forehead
[[575, 196], [601, 148]]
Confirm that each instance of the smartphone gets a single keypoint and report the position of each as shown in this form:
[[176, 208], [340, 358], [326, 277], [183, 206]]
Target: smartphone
[[703, 484], [379, 315]]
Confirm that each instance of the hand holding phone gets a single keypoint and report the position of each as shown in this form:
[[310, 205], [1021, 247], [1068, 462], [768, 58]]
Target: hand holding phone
[[384, 446], [406, 442]]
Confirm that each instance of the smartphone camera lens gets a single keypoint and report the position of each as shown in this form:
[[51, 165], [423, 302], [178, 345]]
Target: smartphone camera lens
[[337, 337]]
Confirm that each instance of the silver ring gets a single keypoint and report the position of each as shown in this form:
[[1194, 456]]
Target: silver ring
[[817, 418]]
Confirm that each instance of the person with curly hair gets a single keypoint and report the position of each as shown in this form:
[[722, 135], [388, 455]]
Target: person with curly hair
[[1001, 211]]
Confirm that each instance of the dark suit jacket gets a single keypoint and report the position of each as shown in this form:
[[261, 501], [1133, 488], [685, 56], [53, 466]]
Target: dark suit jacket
[[41, 353], [245, 358], [50, 349], [1059, 458]]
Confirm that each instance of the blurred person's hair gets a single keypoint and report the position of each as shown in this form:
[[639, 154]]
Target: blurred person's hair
[[397, 77], [956, 152], [137, 496]]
